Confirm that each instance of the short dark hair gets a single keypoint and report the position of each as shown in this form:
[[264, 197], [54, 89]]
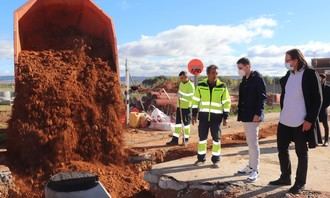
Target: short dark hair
[[183, 73], [243, 61], [211, 67], [297, 54]]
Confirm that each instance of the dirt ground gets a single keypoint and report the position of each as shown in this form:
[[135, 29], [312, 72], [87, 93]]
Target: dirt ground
[[153, 142], [65, 115], [226, 183], [117, 178], [144, 147]]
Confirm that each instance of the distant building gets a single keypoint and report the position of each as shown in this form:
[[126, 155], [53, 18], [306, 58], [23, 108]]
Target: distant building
[[322, 65]]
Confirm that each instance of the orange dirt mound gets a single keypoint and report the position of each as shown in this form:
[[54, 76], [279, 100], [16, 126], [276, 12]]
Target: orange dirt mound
[[66, 117], [120, 181], [66, 107]]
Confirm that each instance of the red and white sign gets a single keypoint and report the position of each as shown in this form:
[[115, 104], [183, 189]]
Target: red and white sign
[[195, 67]]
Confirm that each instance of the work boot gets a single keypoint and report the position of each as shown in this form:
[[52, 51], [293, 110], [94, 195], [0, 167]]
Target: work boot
[[215, 161], [216, 164], [173, 142], [199, 163]]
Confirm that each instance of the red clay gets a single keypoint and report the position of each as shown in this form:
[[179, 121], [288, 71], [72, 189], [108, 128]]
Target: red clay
[[120, 181], [66, 117], [66, 107]]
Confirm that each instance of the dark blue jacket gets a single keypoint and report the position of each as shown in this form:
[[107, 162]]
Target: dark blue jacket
[[252, 97]]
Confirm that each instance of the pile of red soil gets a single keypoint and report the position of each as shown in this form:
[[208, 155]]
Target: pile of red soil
[[164, 153], [169, 85], [66, 108], [66, 114], [120, 181], [66, 117], [240, 138]]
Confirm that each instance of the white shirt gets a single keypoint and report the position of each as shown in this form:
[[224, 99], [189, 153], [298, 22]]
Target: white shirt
[[294, 110]]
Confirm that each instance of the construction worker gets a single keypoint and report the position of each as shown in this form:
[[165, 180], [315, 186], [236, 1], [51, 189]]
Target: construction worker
[[212, 103], [185, 94]]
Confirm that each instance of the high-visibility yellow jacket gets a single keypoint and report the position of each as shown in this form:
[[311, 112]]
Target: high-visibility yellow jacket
[[211, 101], [186, 92]]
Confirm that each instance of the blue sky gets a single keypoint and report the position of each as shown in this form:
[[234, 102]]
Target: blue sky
[[159, 37]]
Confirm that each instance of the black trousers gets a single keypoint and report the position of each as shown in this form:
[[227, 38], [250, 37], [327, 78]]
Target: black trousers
[[318, 131], [204, 127], [326, 130], [323, 118], [286, 135]]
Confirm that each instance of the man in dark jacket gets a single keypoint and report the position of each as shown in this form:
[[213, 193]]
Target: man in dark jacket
[[323, 116], [252, 96], [301, 99]]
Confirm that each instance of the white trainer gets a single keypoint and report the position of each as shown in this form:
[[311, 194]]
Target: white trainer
[[253, 176], [245, 171]]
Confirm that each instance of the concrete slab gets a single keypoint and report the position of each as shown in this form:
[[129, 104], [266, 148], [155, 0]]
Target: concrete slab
[[182, 173]]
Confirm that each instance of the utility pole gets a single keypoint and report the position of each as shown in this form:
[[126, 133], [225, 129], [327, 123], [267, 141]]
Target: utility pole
[[127, 93]]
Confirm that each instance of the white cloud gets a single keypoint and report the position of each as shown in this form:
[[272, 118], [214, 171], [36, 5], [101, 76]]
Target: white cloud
[[6, 49], [261, 22], [310, 49], [270, 59], [189, 40], [169, 51]]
